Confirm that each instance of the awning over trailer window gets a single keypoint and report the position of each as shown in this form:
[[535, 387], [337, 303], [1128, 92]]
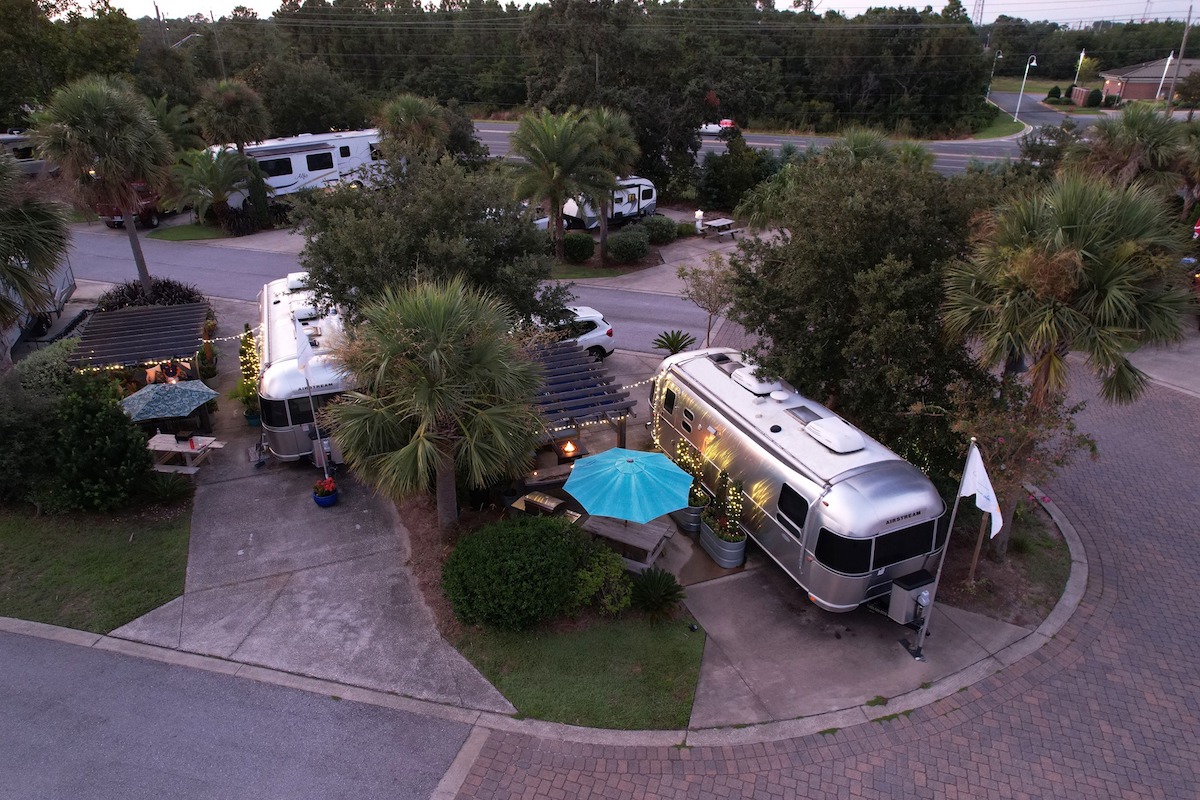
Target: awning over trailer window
[[140, 335]]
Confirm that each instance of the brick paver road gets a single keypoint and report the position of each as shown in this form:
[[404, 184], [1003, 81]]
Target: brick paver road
[[1109, 709]]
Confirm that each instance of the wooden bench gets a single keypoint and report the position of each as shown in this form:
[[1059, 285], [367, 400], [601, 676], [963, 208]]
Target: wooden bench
[[548, 476], [179, 469], [730, 232]]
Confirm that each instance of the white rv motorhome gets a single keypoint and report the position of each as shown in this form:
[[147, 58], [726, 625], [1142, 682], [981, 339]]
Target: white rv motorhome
[[22, 147], [34, 321], [315, 160], [287, 396], [842, 514], [634, 197]]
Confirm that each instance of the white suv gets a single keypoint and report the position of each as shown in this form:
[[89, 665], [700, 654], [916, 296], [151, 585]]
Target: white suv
[[590, 330]]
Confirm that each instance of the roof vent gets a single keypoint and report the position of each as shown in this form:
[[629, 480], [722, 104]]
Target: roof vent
[[746, 378], [836, 434], [718, 358], [297, 280]]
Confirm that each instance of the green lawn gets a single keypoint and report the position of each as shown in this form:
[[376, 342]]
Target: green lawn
[[567, 272], [1034, 87], [628, 674], [93, 573], [1002, 126], [188, 233]]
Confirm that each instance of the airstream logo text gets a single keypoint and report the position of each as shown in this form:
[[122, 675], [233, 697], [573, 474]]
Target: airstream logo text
[[903, 516]]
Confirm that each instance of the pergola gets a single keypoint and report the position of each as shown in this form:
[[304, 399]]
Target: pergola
[[579, 391], [140, 335]]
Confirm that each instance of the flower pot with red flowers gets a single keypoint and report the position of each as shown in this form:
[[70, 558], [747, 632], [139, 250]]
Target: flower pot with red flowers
[[325, 492], [720, 535]]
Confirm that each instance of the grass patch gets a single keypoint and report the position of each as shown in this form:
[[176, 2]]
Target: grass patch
[[878, 700], [188, 233], [567, 272], [1034, 87], [829, 731], [627, 674], [890, 717], [86, 572], [1003, 125]]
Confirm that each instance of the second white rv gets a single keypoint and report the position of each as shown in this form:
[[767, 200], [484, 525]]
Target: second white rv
[[843, 515], [634, 197], [315, 160]]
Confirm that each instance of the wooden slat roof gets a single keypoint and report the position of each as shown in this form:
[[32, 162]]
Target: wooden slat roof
[[140, 335]]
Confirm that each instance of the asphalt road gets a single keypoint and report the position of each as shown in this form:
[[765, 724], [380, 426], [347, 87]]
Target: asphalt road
[[80, 723]]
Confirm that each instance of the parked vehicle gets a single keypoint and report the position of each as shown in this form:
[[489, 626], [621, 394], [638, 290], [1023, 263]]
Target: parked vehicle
[[634, 197], [288, 396], [146, 213], [314, 161], [715, 128], [591, 331], [843, 515], [22, 147], [35, 322]]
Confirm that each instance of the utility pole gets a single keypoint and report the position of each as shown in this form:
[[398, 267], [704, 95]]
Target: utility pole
[[1171, 93], [217, 40], [162, 26]]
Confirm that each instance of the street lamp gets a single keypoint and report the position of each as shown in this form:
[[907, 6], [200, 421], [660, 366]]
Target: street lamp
[[1032, 62], [184, 39], [999, 55]]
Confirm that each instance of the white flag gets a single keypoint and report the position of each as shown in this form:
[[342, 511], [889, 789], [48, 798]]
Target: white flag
[[304, 351], [975, 481]]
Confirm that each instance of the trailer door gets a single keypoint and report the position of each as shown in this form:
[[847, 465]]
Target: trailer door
[[783, 537]]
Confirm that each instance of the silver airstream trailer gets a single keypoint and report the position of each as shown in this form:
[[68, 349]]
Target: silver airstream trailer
[[287, 395], [843, 515]]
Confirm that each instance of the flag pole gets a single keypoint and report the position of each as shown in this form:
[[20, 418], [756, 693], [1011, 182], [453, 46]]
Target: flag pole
[[317, 427], [916, 651]]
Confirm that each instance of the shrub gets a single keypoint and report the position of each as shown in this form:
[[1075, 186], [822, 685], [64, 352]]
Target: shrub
[[1110, 100], [684, 229], [163, 292], [673, 341], [656, 593], [515, 573], [629, 245], [27, 438], [45, 372], [166, 489], [1054, 93], [1094, 98], [602, 581], [578, 247], [660, 229]]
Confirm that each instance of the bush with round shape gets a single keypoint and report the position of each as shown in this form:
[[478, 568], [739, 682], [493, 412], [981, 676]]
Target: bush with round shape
[[602, 581], [629, 245], [660, 229], [684, 229], [578, 247], [1094, 99], [515, 573], [1054, 93], [656, 593], [163, 292]]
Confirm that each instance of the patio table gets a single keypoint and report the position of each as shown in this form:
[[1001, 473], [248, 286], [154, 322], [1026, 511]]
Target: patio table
[[165, 446], [638, 544]]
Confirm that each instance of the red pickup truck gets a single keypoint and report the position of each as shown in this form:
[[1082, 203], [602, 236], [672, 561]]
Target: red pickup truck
[[145, 213]]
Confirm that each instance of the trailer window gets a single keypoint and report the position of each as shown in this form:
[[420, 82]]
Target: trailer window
[[669, 401], [647, 194], [274, 413], [319, 161], [848, 556], [301, 410], [793, 509], [344, 151], [274, 167], [376, 153], [906, 543]]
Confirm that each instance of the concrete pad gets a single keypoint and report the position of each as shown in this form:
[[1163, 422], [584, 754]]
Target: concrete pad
[[793, 656], [161, 627]]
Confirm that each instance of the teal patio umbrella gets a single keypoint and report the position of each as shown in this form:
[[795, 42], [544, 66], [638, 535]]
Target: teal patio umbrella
[[165, 400], [628, 484]]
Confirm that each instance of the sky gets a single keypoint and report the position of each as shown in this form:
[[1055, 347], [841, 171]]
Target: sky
[[1073, 13]]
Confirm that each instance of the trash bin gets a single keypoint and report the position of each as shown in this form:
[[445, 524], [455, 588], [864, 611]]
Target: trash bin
[[910, 596]]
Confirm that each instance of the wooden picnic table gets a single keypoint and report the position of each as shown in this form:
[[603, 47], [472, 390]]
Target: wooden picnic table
[[638, 544], [717, 225], [194, 450]]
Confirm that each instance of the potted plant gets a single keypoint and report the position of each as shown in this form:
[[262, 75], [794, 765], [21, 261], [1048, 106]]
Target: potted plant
[[690, 461], [247, 393], [720, 534], [325, 492]]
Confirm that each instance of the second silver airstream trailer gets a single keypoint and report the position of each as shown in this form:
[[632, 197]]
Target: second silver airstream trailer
[[843, 515], [288, 395]]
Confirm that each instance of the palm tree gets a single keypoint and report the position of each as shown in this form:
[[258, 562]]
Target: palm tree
[[1079, 266], [177, 124], [415, 123], [101, 135], [859, 144], [1139, 145], [446, 393], [33, 239], [560, 160], [231, 112], [913, 155], [619, 153], [206, 181], [1187, 165]]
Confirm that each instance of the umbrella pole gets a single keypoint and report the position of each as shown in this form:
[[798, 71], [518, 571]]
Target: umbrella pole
[[317, 427]]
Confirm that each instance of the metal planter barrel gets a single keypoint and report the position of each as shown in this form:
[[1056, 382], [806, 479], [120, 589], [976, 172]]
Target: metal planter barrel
[[688, 519], [725, 554]]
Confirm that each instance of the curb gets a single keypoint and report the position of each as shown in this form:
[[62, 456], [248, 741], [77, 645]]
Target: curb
[[699, 737]]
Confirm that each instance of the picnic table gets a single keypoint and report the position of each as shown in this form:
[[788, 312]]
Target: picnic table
[[193, 450], [722, 226], [638, 544]]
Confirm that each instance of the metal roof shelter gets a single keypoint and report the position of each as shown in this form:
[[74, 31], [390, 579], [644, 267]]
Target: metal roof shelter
[[579, 391], [134, 336]]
